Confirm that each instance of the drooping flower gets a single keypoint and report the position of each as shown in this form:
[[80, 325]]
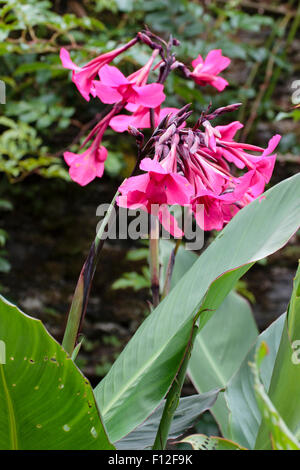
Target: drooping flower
[[220, 193], [207, 71], [154, 190], [85, 167], [238, 153], [114, 86], [213, 210], [83, 76]]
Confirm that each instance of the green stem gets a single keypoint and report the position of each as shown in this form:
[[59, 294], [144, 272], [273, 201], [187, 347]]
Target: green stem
[[173, 395], [82, 291], [154, 259], [169, 271]]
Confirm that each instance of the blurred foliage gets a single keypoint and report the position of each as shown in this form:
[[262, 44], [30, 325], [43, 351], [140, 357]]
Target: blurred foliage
[[135, 280], [4, 263], [45, 115]]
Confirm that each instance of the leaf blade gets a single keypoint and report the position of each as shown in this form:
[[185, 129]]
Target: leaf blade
[[145, 369], [49, 403]]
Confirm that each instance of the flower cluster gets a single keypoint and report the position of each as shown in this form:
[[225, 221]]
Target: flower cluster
[[106, 82], [192, 167], [203, 167]]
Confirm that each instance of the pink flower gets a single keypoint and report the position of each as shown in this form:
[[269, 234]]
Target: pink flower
[[206, 71], [154, 190], [114, 86], [207, 208], [140, 119], [213, 210], [83, 76], [85, 167], [237, 152]]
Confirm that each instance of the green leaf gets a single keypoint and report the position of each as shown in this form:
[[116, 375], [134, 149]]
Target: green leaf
[[5, 205], [143, 372], [280, 435], [132, 280], [137, 255], [46, 403], [202, 442], [187, 414], [4, 265], [3, 237], [240, 398], [219, 350], [284, 388]]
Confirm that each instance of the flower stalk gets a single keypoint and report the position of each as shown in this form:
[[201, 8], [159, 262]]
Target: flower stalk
[[154, 259], [169, 271], [83, 287]]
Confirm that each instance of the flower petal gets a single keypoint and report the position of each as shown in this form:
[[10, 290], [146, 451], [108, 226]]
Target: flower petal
[[112, 76], [151, 95], [169, 222], [147, 164], [106, 94], [67, 61]]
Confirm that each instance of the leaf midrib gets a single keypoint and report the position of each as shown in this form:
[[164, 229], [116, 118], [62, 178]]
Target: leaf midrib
[[109, 405]]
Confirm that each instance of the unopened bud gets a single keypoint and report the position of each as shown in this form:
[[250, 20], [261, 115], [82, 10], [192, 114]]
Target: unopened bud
[[145, 39], [190, 138], [168, 134], [136, 133], [225, 109], [195, 145]]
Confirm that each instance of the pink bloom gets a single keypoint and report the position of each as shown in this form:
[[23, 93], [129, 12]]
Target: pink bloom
[[219, 195], [207, 208], [213, 210], [206, 71], [85, 167], [236, 152], [154, 190], [114, 86], [83, 76], [140, 117]]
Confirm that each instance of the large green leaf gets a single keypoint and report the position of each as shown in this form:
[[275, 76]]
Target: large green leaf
[[187, 414], [46, 403], [284, 390], [245, 416], [219, 350], [142, 374]]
